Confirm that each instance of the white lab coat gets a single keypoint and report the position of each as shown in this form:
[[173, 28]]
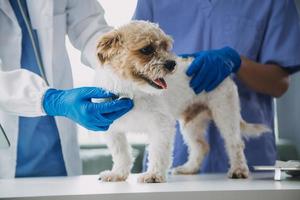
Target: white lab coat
[[21, 91]]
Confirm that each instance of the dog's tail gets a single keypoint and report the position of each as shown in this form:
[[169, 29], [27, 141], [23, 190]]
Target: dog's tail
[[250, 130]]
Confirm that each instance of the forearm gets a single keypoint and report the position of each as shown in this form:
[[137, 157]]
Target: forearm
[[268, 79], [86, 23], [21, 93]]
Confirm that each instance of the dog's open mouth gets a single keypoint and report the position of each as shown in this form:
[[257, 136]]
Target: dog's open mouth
[[158, 83]]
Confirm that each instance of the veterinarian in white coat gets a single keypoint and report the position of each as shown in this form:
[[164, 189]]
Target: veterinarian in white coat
[[34, 59]]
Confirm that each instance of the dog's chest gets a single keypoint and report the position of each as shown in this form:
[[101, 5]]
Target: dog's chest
[[146, 115]]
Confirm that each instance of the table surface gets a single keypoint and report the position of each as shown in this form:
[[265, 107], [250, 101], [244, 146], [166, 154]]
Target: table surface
[[213, 186]]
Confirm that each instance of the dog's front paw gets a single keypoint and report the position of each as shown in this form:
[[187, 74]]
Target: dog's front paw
[[149, 177], [184, 169], [238, 172], [110, 176]]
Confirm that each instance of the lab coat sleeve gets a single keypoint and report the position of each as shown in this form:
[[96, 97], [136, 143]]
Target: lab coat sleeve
[[85, 25], [281, 43], [21, 93], [143, 10]]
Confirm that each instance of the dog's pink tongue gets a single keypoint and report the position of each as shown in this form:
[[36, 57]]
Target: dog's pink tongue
[[161, 82]]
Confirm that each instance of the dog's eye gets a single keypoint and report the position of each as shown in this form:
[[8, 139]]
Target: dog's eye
[[147, 50]]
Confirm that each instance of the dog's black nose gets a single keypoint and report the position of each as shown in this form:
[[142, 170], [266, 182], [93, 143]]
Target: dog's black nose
[[170, 65]]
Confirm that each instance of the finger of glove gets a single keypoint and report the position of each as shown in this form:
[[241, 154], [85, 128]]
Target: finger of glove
[[93, 124], [215, 82], [95, 92], [115, 105], [212, 78], [97, 128], [200, 77], [102, 128], [94, 115], [223, 73], [117, 114], [102, 120], [195, 66]]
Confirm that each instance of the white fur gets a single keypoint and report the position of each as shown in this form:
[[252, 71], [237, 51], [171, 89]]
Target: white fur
[[155, 112]]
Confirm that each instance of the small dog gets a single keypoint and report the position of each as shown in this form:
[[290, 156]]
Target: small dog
[[136, 62]]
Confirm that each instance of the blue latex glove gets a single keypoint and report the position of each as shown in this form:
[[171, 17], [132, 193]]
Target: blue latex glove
[[76, 105], [210, 68]]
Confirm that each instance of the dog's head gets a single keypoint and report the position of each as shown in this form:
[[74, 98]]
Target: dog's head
[[138, 52]]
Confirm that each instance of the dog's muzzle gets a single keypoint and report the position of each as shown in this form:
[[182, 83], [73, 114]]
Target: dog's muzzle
[[170, 65]]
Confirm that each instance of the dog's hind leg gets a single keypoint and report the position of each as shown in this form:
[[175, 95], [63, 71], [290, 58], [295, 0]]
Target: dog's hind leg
[[193, 135], [121, 156], [226, 115], [234, 146]]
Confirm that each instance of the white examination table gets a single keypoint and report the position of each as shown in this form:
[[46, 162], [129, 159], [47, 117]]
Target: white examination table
[[207, 187]]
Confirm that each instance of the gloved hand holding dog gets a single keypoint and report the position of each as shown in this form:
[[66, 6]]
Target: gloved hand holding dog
[[76, 105], [210, 68]]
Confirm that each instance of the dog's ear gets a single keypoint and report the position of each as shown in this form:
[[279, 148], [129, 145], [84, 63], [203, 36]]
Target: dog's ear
[[108, 46]]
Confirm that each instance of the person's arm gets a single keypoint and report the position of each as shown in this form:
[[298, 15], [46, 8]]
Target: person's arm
[[85, 25], [278, 56], [21, 93], [76, 104], [210, 68], [268, 79], [24, 93], [279, 52]]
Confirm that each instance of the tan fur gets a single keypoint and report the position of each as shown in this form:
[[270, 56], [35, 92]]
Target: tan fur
[[193, 110], [109, 46], [202, 142], [120, 48]]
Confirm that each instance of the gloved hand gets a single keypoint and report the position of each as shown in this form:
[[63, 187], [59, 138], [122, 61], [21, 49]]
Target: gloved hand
[[76, 104], [210, 68]]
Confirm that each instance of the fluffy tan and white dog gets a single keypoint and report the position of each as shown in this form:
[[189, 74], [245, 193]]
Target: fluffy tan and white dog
[[136, 62]]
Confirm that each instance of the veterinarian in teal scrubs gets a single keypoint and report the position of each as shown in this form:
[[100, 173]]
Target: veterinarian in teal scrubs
[[263, 35]]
